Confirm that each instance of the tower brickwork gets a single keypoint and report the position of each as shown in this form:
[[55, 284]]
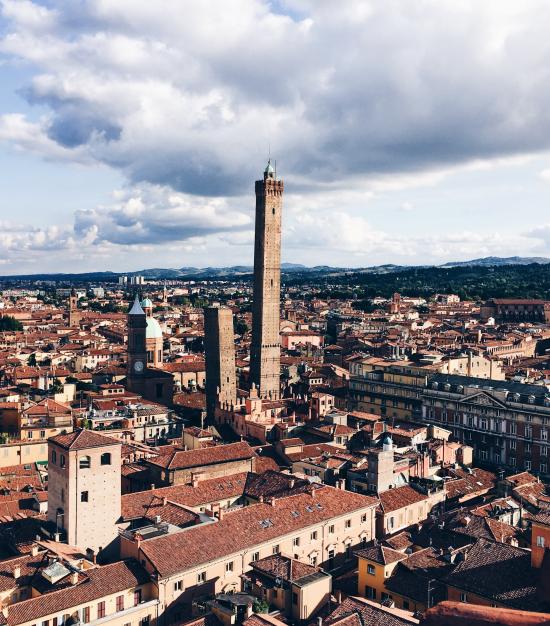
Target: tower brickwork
[[219, 340], [265, 352]]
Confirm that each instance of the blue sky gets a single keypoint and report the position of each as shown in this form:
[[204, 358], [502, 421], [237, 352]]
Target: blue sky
[[131, 132]]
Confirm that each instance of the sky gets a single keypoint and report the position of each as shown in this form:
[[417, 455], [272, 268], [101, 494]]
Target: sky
[[131, 131]]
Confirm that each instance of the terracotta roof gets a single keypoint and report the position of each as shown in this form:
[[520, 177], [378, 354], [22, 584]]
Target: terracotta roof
[[381, 554], [395, 499], [134, 505], [284, 567], [361, 612], [248, 527], [82, 439], [187, 459], [98, 583], [499, 572]]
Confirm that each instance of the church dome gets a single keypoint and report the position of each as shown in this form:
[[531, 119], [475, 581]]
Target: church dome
[[147, 304], [154, 331]]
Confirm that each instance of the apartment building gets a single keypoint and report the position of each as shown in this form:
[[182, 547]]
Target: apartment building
[[506, 423], [120, 594], [320, 527]]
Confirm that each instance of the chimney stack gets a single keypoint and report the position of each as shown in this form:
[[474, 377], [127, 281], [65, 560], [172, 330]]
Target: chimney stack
[[74, 578], [16, 572]]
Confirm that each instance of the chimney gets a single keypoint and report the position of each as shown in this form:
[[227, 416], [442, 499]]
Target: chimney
[[164, 501], [291, 483], [319, 621], [34, 550], [194, 481], [74, 578], [16, 572]]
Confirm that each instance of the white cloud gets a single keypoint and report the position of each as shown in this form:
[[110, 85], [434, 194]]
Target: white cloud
[[358, 101]]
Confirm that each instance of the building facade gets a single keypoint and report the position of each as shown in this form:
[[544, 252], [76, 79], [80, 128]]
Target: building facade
[[506, 423]]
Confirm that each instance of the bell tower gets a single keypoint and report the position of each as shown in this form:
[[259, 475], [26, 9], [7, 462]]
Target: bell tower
[[74, 315], [137, 352]]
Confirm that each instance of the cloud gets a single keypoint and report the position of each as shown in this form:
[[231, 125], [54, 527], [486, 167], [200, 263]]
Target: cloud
[[189, 96]]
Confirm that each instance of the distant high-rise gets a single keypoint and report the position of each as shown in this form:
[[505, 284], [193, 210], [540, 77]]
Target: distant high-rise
[[265, 352], [219, 348]]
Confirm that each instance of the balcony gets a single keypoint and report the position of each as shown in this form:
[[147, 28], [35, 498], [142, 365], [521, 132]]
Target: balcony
[[129, 611]]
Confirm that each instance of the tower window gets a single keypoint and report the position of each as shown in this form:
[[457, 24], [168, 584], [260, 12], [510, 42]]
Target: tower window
[[62, 460], [54, 456], [106, 458], [273, 210], [85, 462]]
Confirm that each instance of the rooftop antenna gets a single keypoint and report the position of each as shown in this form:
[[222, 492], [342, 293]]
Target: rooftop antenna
[[275, 169]]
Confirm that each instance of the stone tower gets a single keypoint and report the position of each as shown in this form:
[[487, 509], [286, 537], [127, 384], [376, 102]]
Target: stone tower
[[219, 348], [74, 313], [265, 351], [84, 473], [137, 351]]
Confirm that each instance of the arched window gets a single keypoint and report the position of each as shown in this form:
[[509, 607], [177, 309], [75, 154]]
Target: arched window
[[54, 456], [106, 458], [85, 462]]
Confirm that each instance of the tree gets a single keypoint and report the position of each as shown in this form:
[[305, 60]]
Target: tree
[[240, 327], [32, 360], [7, 322], [260, 606], [57, 386]]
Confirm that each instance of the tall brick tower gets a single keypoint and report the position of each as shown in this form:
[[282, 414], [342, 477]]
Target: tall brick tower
[[219, 344], [74, 313], [265, 352]]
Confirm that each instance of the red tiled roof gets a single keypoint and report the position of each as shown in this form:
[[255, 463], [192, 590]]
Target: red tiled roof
[[186, 459], [81, 439], [98, 583], [179, 552]]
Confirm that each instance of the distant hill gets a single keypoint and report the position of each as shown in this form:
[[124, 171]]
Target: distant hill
[[290, 270], [489, 261]]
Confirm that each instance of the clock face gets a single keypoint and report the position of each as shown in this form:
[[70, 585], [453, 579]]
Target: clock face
[[138, 366]]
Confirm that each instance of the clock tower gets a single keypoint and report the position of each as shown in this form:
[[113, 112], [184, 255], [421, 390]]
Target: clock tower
[[137, 352]]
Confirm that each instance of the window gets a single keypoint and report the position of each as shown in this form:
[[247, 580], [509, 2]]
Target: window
[[313, 559], [106, 458], [53, 457], [84, 462], [348, 523], [513, 444], [61, 460], [513, 428], [314, 535], [62, 495], [120, 603], [137, 597], [527, 447], [331, 529], [276, 549], [540, 541], [101, 610], [83, 496], [256, 556], [363, 518], [86, 614], [527, 465], [370, 592], [371, 570], [201, 578], [296, 541], [543, 468], [42, 434], [178, 585], [229, 566], [528, 431], [464, 597], [392, 522]]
